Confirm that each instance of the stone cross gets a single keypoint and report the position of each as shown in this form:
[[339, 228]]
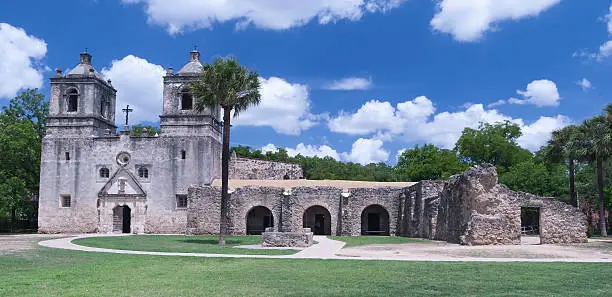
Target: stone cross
[[127, 111]]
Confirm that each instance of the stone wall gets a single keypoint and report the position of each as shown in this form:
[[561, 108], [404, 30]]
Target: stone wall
[[420, 209], [292, 208], [475, 210], [244, 168]]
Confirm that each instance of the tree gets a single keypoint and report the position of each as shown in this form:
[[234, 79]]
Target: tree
[[492, 143], [534, 177], [428, 163], [562, 147], [138, 130], [594, 144], [227, 84], [22, 127]]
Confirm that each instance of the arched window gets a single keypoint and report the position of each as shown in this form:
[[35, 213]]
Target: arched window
[[143, 172], [186, 100], [104, 172], [73, 100]]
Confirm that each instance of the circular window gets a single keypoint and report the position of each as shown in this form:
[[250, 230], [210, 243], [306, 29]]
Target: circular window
[[123, 158]]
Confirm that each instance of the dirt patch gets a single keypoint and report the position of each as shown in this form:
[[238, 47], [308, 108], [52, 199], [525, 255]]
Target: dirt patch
[[10, 244], [592, 250]]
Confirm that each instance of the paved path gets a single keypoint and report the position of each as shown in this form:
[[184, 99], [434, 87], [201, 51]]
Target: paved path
[[325, 249]]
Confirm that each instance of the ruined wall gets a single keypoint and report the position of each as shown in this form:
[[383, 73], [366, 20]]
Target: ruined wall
[[421, 209], [203, 210], [475, 210], [243, 168]]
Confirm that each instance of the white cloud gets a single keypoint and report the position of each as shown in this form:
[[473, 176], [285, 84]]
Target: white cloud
[[285, 107], [441, 129], [585, 84], [377, 115], [538, 134], [179, 15], [540, 93], [468, 20], [139, 84], [365, 151], [605, 50], [20, 56], [350, 84], [305, 150]]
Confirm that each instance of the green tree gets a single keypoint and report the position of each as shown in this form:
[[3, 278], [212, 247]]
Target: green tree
[[227, 84], [534, 177], [428, 163], [492, 143], [22, 127], [29, 105], [138, 130], [563, 147], [594, 144]]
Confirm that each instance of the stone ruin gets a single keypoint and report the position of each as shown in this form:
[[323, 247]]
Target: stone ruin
[[470, 209], [474, 209]]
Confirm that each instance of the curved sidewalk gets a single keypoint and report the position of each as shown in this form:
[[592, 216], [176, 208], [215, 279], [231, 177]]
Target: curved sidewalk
[[325, 249]]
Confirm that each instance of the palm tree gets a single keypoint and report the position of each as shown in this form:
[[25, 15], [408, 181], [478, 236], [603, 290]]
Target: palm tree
[[563, 147], [595, 145], [227, 84]]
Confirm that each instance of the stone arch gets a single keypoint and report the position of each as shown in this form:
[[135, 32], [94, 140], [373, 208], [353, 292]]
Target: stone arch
[[318, 219], [375, 220], [186, 99], [72, 99], [258, 218], [122, 219]]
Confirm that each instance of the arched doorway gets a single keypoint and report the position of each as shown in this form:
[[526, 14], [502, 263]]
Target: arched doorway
[[318, 219], [375, 221], [258, 219], [122, 217]]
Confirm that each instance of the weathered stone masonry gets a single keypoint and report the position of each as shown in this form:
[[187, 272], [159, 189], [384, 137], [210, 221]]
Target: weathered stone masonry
[[342, 209], [245, 168], [471, 209]]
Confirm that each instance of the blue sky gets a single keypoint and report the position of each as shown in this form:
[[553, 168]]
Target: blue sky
[[357, 80]]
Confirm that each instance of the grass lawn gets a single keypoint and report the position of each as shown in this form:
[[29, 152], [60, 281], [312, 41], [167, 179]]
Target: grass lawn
[[364, 240], [47, 272], [180, 243]]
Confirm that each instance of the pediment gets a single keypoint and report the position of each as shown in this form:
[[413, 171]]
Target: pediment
[[122, 183]]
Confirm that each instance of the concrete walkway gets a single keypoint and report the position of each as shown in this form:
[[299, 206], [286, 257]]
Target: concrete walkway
[[325, 249]]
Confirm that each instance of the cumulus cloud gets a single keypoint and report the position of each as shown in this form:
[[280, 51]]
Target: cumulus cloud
[[377, 115], [468, 20], [285, 107], [422, 124], [540, 93], [20, 60], [306, 150], [585, 84], [139, 83], [350, 84], [363, 151], [179, 15], [605, 50], [538, 133]]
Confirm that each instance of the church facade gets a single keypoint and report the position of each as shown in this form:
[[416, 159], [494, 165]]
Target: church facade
[[93, 179]]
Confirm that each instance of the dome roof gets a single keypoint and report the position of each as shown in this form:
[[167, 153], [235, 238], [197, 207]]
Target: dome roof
[[84, 68], [194, 66]]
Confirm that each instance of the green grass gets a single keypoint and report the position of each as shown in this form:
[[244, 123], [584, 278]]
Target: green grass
[[365, 240], [180, 244], [47, 272]]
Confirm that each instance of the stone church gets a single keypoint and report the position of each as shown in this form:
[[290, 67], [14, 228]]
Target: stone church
[[94, 180]]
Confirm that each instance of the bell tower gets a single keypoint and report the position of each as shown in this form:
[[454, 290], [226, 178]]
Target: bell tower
[[82, 103], [179, 117]]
